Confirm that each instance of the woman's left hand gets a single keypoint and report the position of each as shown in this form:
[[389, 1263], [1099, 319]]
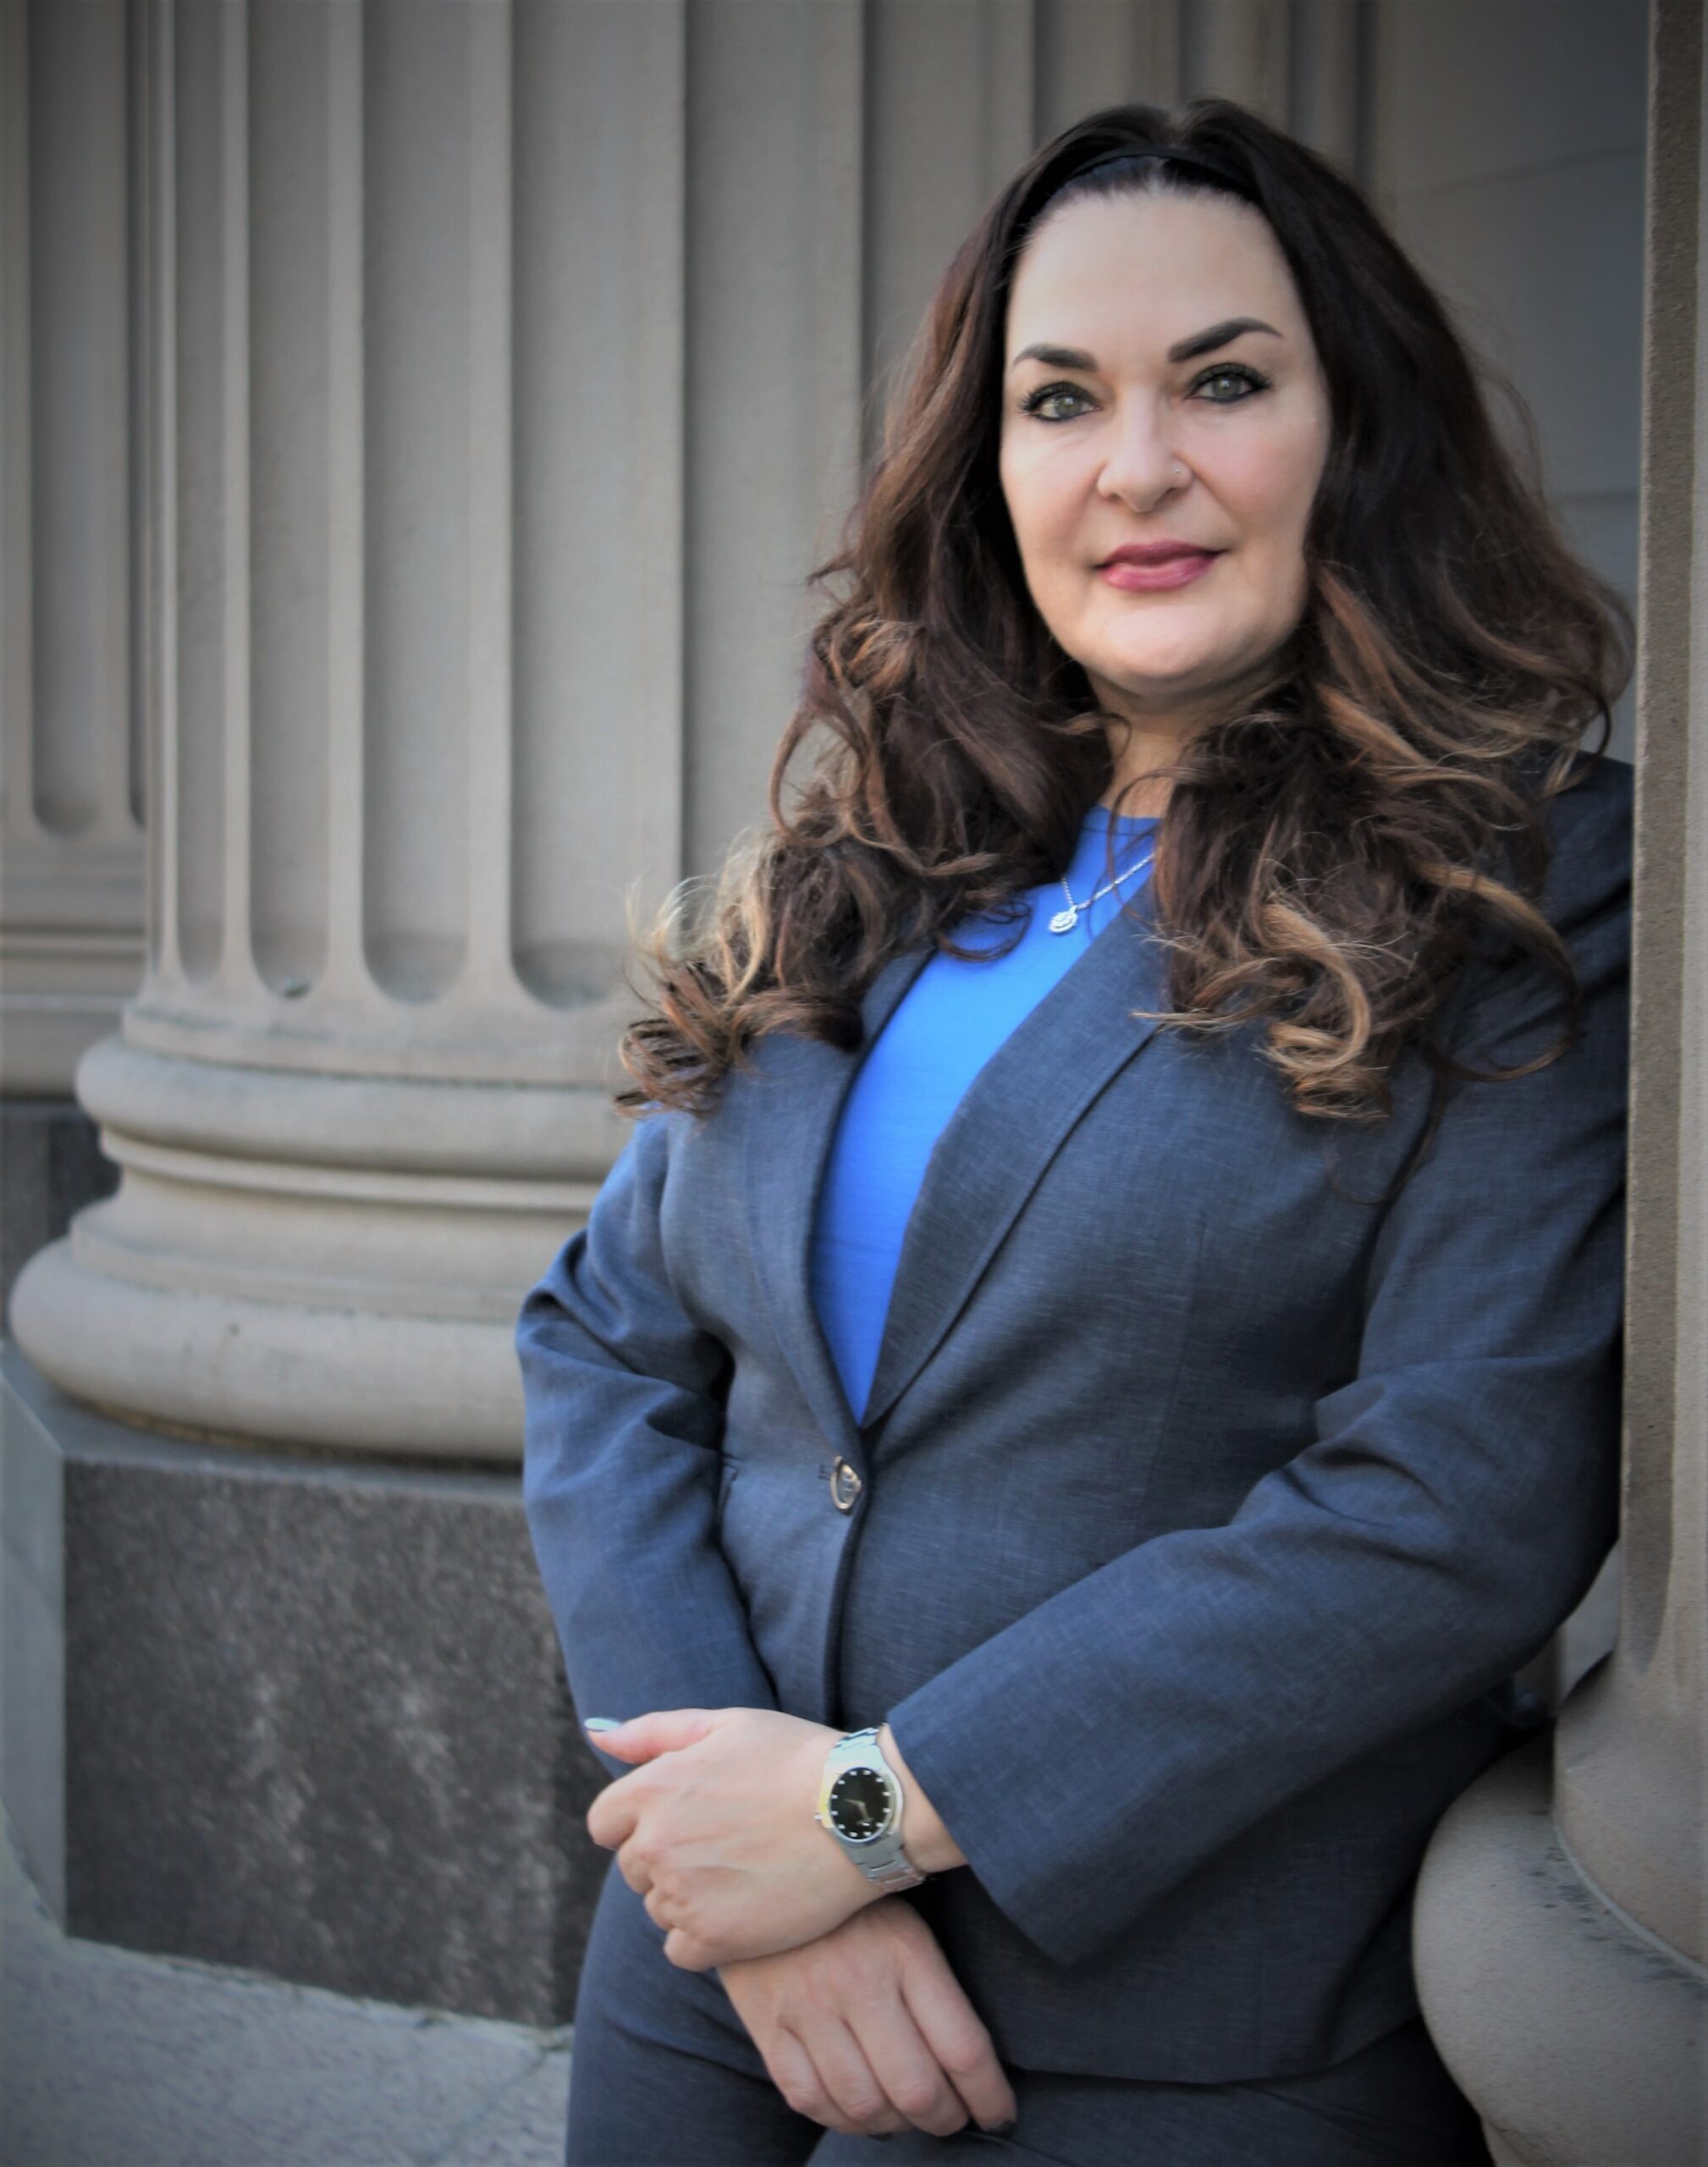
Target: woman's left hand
[[717, 1831]]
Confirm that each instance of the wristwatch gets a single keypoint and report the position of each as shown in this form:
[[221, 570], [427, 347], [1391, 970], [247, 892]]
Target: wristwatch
[[860, 1803]]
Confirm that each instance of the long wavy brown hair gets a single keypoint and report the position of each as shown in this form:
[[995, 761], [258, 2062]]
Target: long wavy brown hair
[[1330, 854]]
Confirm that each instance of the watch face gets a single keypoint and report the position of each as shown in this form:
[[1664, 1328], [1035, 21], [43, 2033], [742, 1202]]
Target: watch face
[[861, 1804]]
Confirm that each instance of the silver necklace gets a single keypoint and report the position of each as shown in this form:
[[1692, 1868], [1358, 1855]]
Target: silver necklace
[[1064, 921]]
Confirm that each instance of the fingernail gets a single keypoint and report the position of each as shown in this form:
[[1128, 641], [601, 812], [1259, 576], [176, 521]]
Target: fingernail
[[999, 2129], [600, 1723]]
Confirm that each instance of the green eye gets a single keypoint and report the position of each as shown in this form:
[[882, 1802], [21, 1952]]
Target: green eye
[[1234, 373], [1034, 401], [1247, 381]]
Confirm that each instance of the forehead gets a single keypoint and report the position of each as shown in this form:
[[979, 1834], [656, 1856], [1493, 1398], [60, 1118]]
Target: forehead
[[1139, 270]]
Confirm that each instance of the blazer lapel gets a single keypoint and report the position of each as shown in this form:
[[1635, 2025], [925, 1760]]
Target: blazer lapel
[[1005, 1132], [1015, 1116], [791, 1124]]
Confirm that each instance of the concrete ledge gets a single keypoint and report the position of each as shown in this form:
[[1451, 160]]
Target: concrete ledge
[[1581, 2040], [289, 1713]]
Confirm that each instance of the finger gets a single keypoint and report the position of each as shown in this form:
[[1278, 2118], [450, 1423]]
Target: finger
[[793, 2072], [914, 2081], [849, 2078], [665, 1730], [613, 1814], [958, 2041], [634, 1869], [688, 1955]]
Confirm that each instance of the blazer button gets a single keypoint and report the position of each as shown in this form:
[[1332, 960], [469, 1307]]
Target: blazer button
[[845, 1486]]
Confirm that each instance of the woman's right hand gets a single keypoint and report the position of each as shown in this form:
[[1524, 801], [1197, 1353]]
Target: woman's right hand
[[866, 2030]]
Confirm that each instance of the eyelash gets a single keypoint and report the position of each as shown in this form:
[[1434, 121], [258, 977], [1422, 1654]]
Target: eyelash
[[1034, 400]]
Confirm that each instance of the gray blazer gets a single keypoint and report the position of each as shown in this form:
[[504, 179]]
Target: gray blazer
[[1207, 1501]]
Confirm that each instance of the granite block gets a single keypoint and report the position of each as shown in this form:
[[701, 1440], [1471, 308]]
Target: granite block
[[314, 1720], [32, 1646]]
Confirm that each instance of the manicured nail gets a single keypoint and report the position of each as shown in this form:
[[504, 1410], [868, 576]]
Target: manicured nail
[[600, 1723]]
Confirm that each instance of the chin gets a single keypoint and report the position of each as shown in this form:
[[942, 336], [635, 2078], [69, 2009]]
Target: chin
[[1169, 675]]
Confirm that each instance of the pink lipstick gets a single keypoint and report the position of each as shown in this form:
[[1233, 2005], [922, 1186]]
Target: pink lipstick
[[1140, 567]]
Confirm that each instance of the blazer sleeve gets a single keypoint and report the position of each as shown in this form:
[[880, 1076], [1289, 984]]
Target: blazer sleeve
[[1458, 1500], [624, 1396]]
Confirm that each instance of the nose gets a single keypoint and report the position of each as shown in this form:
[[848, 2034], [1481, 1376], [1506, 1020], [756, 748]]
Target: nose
[[1143, 465]]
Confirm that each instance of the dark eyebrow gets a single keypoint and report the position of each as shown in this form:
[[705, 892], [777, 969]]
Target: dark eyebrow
[[1188, 349]]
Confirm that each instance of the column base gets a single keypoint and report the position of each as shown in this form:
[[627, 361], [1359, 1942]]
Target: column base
[[233, 1369], [1581, 2040], [289, 1713], [326, 1262], [52, 1165]]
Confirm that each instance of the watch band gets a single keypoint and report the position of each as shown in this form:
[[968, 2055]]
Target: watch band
[[880, 1856]]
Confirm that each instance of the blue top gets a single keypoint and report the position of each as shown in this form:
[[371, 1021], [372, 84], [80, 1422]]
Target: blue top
[[948, 1024]]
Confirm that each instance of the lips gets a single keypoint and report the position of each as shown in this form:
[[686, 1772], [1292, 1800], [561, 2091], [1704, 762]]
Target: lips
[[1166, 565], [1154, 553]]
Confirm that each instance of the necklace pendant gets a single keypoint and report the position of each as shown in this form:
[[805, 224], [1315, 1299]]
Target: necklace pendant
[[1064, 921]]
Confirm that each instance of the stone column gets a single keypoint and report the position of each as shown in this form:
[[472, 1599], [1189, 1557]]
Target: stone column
[[504, 373], [70, 724], [71, 797], [414, 703], [1562, 1915]]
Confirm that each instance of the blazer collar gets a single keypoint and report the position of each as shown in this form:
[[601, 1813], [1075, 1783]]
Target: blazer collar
[[1011, 1121]]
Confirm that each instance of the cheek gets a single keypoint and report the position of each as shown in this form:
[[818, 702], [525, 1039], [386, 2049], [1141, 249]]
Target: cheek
[[1270, 486], [1042, 496]]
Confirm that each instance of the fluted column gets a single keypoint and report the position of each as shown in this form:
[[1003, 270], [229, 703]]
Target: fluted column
[[1632, 1748], [508, 364], [1563, 1917], [414, 707], [70, 734]]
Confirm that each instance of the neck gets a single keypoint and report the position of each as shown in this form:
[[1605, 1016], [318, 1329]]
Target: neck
[[1137, 787], [1141, 746], [1136, 799], [1143, 742]]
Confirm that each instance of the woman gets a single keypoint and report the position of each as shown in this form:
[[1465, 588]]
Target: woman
[[1100, 1357]]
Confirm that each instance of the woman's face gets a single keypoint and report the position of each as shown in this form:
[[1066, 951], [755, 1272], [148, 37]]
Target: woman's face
[[1118, 436]]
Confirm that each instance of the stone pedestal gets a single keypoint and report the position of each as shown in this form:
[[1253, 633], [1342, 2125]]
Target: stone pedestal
[[289, 1713]]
